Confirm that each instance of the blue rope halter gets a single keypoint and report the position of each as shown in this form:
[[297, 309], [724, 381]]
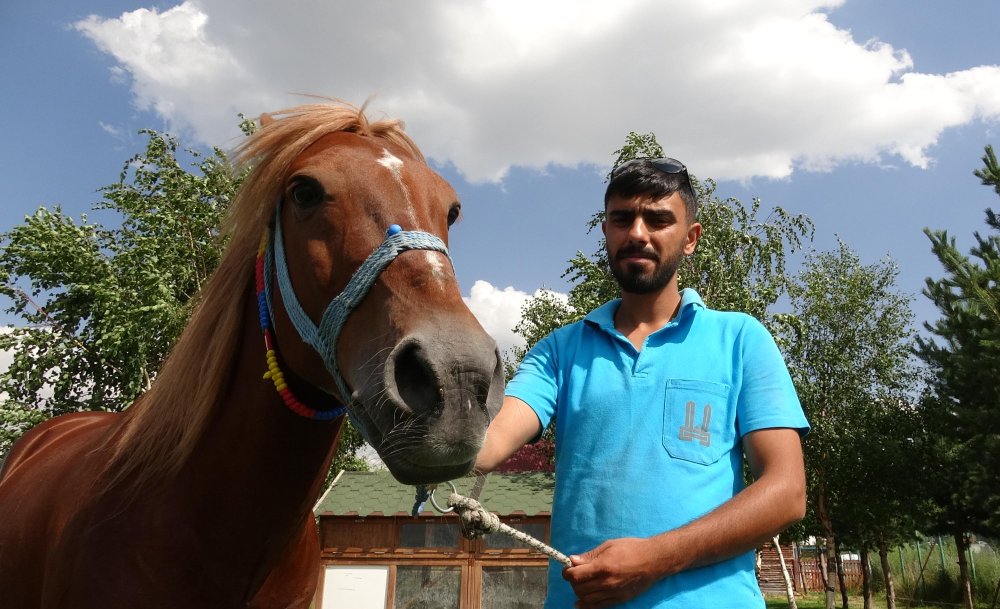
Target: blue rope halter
[[323, 338]]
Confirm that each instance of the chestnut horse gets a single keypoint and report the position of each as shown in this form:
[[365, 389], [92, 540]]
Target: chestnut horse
[[199, 495]]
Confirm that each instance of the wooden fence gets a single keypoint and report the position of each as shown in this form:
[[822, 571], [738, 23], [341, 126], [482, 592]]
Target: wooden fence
[[811, 566]]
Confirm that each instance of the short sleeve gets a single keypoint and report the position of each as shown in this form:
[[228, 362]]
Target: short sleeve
[[767, 397], [536, 382]]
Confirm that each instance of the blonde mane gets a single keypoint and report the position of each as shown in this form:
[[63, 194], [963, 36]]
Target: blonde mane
[[164, 426]]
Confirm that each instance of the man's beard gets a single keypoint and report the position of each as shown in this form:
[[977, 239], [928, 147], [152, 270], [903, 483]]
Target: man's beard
[[634, 280]]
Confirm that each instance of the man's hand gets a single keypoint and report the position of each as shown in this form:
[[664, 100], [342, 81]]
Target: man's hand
[[611, 573]]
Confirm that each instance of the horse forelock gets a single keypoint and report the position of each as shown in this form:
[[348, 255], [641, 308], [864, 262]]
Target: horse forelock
[[160, 434], [271, 150]]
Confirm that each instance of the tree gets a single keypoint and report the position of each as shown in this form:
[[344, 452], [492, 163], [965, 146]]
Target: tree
[[967, 349], [739, 264], [103, 304], [963, 355], [849, 346]]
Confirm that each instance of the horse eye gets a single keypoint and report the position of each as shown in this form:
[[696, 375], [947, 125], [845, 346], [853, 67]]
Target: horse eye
[[306, 193], [454, 213]]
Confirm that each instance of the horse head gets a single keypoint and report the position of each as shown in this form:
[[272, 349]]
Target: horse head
[[362, 222]]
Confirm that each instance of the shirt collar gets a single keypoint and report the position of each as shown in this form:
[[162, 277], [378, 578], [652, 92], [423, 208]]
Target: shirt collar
[[604, 315]]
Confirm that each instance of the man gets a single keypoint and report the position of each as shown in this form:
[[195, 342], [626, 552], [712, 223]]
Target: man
[[656, 400]]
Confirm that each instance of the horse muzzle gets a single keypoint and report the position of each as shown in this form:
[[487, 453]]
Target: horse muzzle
[[427, 417]]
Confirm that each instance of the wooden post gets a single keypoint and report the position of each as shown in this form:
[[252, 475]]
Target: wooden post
[[799, 569]]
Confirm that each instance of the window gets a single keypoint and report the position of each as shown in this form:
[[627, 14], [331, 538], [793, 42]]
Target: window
[[514, 587], [429, 535], [427, 587], [537, 530]]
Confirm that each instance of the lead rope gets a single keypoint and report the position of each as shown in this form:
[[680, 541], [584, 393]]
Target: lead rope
[[477, 521], [423, 492]]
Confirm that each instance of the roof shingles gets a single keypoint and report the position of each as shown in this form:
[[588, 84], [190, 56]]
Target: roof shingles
[[370, 493]]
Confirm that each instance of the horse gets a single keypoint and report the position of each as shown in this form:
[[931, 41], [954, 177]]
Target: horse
[[335, 293]]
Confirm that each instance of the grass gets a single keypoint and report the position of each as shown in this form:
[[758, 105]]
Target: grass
[[817, 600], [928, 571]]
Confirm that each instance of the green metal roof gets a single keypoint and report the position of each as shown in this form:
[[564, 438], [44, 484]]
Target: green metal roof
[[367, 493]]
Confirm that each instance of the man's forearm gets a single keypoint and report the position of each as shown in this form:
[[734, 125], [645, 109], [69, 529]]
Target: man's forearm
[[743, 523], [513, 426]]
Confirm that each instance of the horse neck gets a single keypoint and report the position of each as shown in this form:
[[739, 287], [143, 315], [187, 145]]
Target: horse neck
[[258, 468]]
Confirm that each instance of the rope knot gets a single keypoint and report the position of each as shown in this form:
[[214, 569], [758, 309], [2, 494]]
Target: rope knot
[[476, 521]]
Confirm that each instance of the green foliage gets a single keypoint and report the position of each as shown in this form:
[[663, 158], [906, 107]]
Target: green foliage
[[939, 581], [990, 173], [964, 354], [542, 314], [14, 420], [739, 263], [347, 457], [637, 146], [849, 347], [103, 304]]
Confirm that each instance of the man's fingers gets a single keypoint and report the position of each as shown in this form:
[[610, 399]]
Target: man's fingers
[[599, 599], [577, 575]]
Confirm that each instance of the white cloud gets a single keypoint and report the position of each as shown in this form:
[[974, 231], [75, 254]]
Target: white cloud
[[736, 89], [111, 130], [6, 357], [499, 310]]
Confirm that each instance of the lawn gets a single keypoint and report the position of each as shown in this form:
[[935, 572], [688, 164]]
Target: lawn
[[818, 601]]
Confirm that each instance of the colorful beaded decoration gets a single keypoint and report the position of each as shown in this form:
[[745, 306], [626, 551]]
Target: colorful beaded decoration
[[273, 371]]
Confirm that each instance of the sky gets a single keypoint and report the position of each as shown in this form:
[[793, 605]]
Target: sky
[[868, 116]]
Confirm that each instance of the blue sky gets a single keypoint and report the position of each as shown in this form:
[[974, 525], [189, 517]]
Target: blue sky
[[868, 116]]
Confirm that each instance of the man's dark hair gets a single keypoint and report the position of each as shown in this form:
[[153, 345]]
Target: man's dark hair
[[641, 177]]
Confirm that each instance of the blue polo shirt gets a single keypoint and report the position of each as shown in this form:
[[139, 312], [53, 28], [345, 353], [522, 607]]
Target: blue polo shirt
[[647, 441]]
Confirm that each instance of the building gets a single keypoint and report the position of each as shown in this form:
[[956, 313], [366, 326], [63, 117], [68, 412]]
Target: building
[[375, 555]]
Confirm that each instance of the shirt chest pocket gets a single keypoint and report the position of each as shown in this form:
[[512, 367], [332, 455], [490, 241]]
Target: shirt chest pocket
[[698, 421]]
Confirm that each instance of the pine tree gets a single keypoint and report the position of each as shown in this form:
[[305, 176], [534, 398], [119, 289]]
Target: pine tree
[[963, 356]]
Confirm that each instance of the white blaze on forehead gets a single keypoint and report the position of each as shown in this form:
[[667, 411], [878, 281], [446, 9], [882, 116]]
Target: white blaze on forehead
[[391, 162], [395, 165]]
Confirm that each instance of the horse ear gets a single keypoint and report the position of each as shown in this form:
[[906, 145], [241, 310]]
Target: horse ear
[[266, 119]]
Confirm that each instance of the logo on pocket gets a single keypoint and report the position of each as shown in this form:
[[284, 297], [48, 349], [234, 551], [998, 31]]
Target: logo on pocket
[[690, 432]]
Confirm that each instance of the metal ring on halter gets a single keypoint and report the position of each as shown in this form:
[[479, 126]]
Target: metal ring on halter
[[435, 504]]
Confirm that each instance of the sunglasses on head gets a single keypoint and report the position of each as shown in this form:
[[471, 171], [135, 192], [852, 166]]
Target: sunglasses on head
[[666, 165]]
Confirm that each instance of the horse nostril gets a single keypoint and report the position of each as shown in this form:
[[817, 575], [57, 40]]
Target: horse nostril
[[415, 380]]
